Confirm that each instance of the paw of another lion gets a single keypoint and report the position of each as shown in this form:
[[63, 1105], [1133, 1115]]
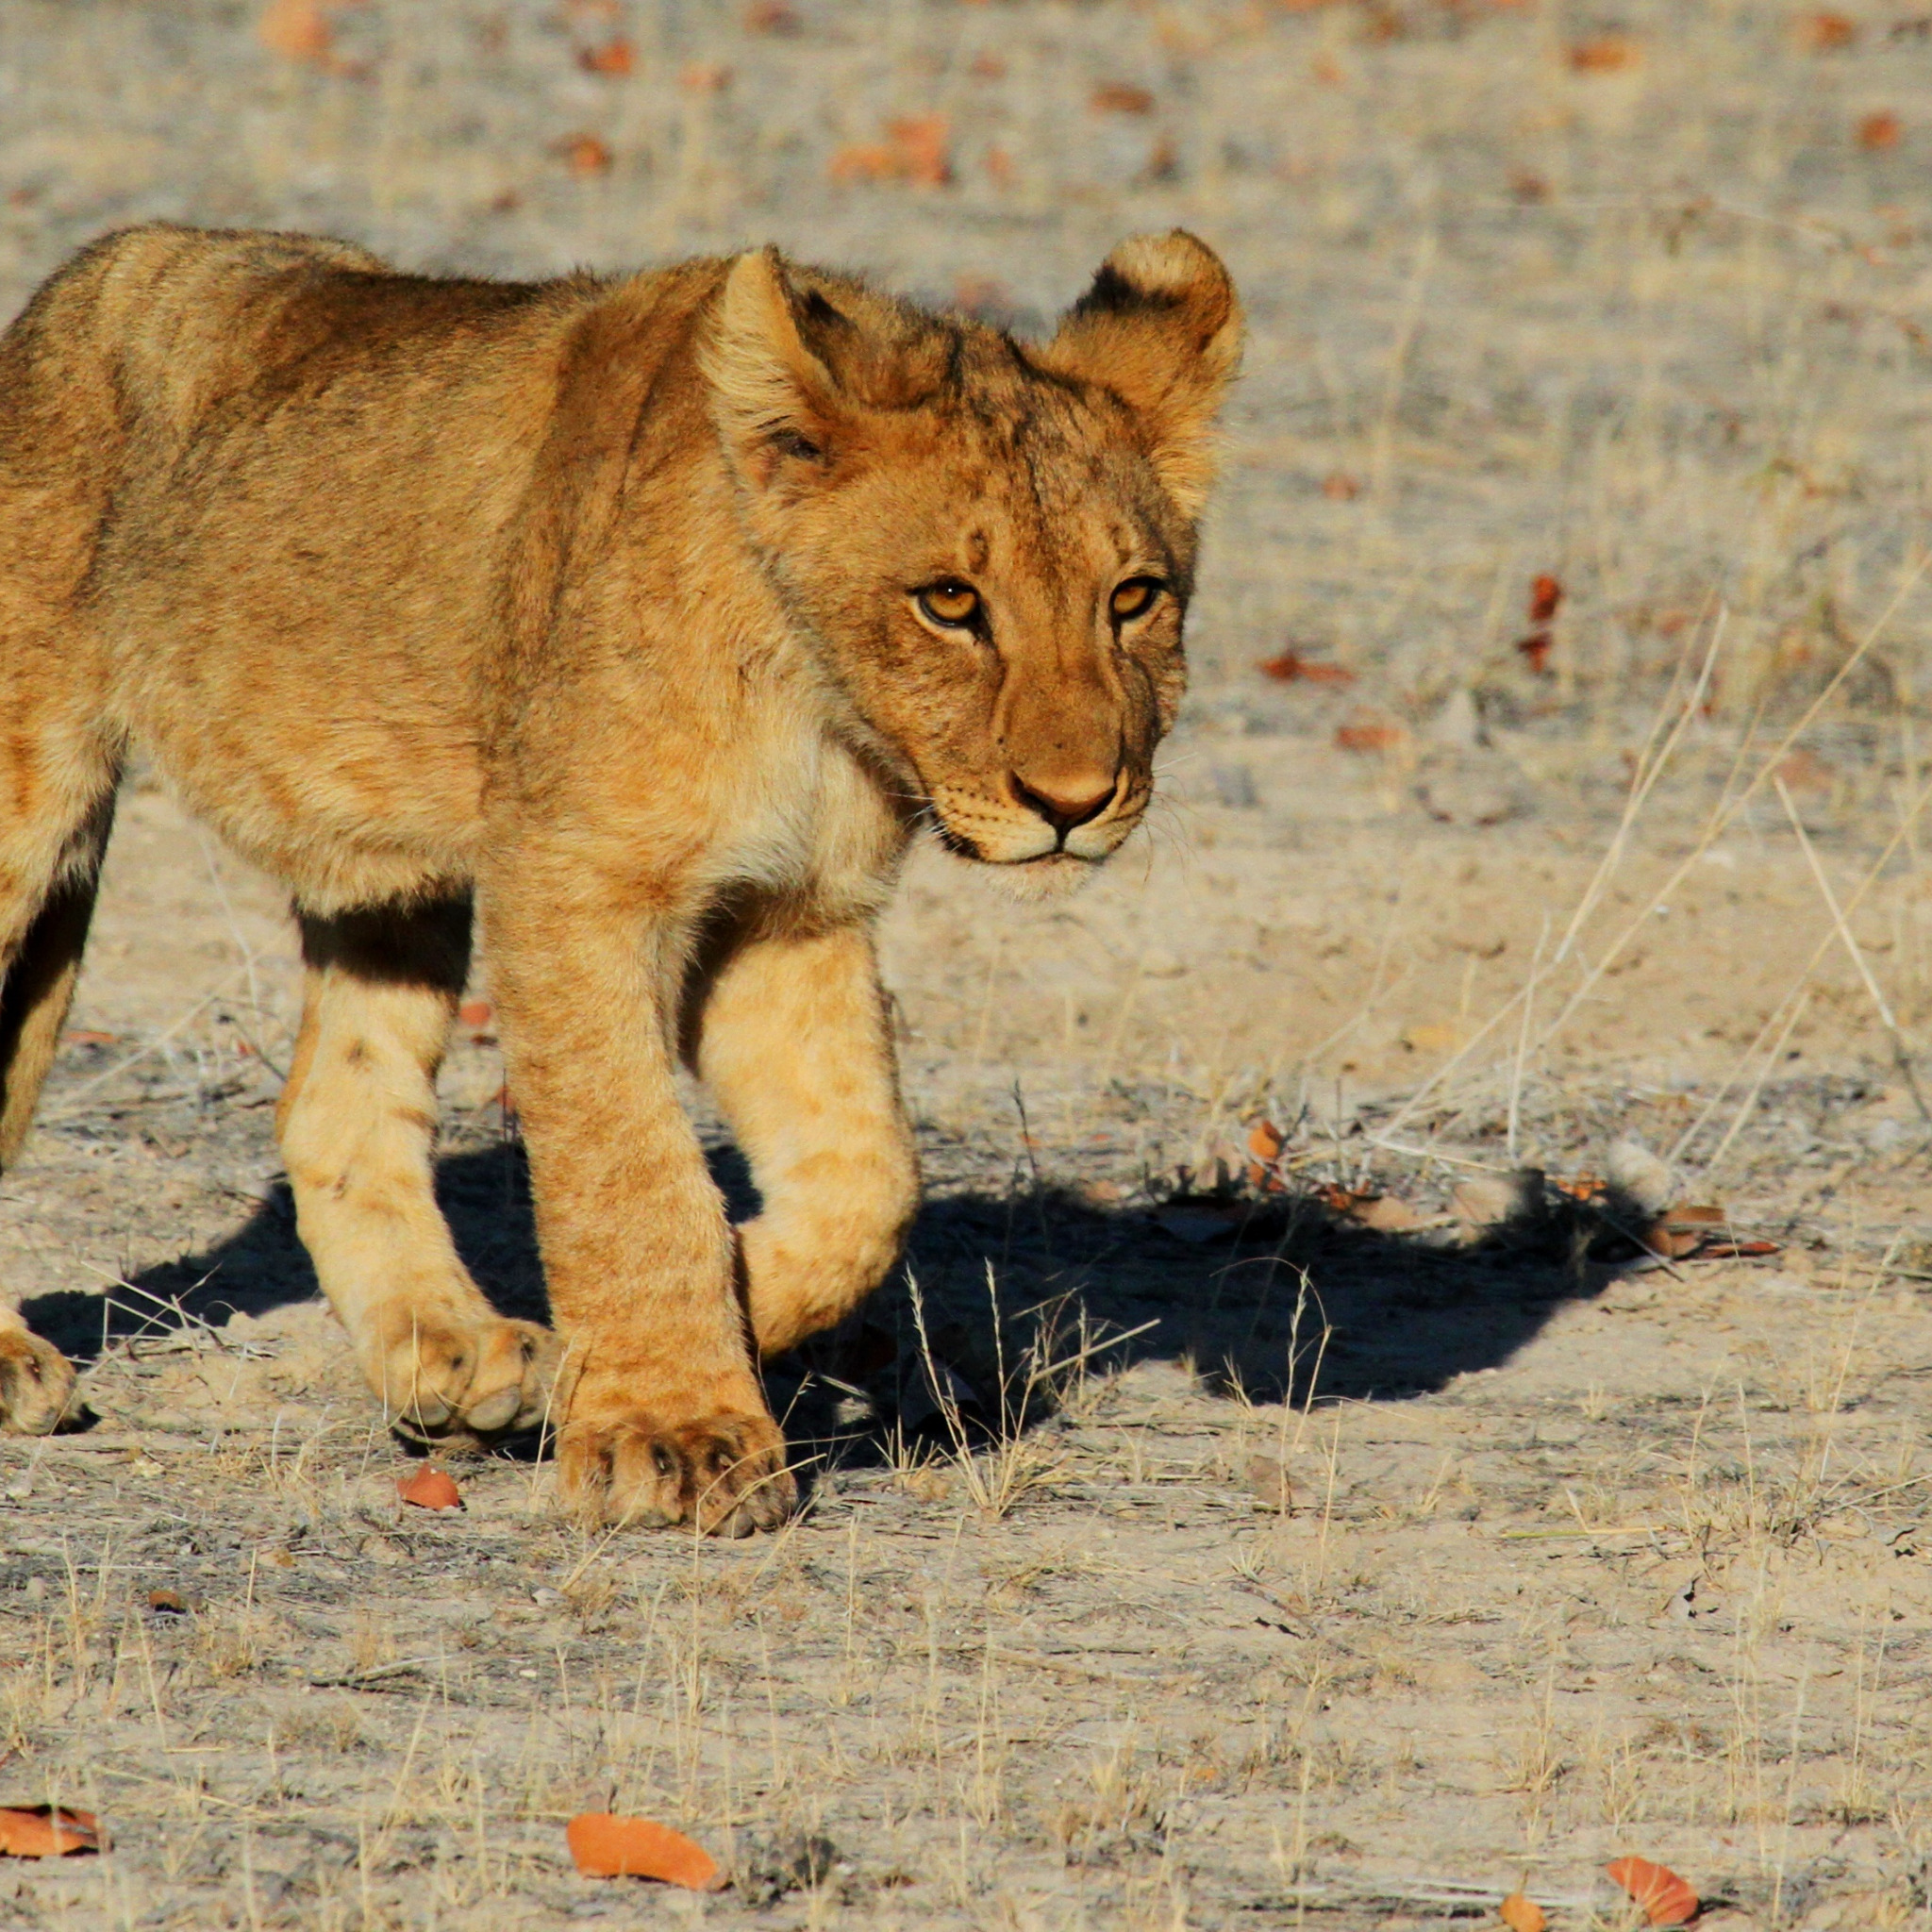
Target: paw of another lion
[[725, 1471], [446, 1377], [35, 1383]]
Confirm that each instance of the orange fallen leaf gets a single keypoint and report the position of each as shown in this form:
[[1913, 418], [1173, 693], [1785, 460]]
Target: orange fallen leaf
[[865, 160], [430, 1489], [1370, 734], [1122, 98], [298, 30], [1606, 54], [915, 150], [1338, 486], [1878, 131], [584, 154], [1695, 1215], [1738, 1251], [1665, 1897], [1290, 665], [771, 17], [608, 1846], [1824, 33], [1341, 1200], [1545, 598], [43, 1831], [922, 140], [1265, 1140], [1522, 1913], [1534, 650], [616, 57], [1673, 1243]]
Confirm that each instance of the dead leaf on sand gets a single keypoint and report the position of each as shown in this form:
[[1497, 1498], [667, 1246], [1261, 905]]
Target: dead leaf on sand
[[430, 1489], [46, 1831], [584, 154], [1665, 1898], [1291, 665], [1522, 1913], [1384, 1213], [615, 59], [298, 30], [608, 1846], [1265, 1140], [1824, 33], [917, 148], [1371, 735], [1606, 54]]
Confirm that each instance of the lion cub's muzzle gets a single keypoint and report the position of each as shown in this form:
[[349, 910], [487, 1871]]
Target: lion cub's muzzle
[[1051, 816]]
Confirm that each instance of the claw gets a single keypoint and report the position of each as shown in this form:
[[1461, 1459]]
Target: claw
[[726, 1473]]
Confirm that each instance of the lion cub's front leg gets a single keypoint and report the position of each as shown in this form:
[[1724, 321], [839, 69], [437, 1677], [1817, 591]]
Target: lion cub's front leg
[[665, 1420], [357, 1127], [795, 1046]]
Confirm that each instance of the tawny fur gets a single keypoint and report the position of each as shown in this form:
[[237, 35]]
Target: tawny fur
[[596, 605]]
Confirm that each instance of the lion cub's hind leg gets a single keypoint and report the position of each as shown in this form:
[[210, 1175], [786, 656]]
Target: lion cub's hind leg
[[358, 1130], [50, 861]]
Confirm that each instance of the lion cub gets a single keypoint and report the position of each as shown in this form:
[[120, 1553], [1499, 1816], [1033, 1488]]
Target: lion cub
[[652, 617]]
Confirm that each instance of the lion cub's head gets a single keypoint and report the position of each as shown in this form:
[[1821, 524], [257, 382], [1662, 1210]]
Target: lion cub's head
[[992, 543]]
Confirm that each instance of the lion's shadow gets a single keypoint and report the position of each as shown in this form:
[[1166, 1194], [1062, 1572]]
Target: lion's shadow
[[1011, 1287]]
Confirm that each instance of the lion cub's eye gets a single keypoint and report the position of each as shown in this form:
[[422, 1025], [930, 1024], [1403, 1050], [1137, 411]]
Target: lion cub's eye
[[1135, 597], [950, 603]]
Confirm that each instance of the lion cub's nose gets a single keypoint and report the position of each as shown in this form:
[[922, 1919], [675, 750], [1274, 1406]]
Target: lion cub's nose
[[1066, 800]]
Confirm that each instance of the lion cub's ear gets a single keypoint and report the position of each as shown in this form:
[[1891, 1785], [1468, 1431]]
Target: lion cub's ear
[[774, 397], [794, 369], [1162, 328]]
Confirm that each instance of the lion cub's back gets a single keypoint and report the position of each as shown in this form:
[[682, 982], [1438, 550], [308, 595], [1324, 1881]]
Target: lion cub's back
[[141, 325]]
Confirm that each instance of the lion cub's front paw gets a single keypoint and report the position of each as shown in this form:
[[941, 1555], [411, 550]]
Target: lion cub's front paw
[[35, 1382], [443, 1376], [624, 1462]]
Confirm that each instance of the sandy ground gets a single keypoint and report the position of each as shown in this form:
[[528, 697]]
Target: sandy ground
[[1346, 1539]]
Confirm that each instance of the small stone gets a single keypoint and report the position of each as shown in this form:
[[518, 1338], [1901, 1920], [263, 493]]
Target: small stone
[[1269, 1480]]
